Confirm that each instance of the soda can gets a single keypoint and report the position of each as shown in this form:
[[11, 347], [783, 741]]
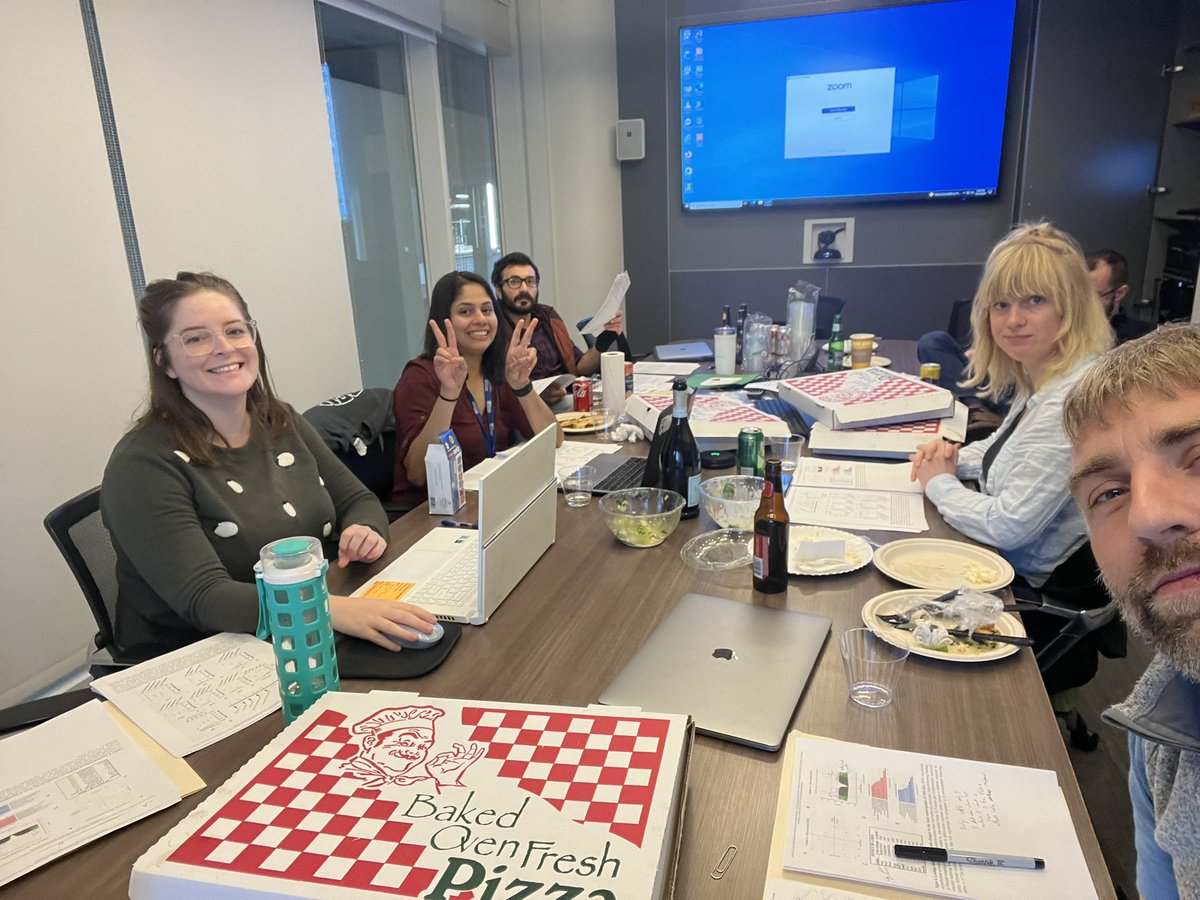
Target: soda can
[[931, 372], [581, 389], [751, 459]]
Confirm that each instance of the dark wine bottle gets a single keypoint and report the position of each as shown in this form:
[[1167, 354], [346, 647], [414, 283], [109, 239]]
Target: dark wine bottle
[[680, 462], [771, 534]]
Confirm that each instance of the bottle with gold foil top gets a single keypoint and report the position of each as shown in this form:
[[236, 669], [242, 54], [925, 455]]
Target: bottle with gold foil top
[[771, 534]]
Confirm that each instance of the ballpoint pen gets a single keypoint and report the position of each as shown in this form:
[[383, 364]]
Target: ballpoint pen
[[967, 858]]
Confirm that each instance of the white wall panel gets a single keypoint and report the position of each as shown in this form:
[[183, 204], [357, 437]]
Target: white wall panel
[[221, 111], [71, 370]]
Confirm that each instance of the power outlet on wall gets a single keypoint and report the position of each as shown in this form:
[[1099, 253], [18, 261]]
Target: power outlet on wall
[[819, 249]]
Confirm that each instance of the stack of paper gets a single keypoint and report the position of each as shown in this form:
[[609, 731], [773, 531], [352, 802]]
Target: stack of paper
[[843, 807], [69, 781], [198, 694], [856, 495]]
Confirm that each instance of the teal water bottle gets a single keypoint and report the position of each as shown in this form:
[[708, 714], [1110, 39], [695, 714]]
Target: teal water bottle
[[293, 606]]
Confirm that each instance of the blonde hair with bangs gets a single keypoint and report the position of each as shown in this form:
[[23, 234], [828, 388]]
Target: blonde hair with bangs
[[1036, 259], [1162, 362]]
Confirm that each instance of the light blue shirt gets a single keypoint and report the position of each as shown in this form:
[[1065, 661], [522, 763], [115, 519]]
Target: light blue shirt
[[1024, 507]]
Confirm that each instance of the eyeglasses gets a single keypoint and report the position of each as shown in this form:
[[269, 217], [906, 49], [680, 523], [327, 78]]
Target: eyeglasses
[[202, 341], [515, 281], [1106, 294]]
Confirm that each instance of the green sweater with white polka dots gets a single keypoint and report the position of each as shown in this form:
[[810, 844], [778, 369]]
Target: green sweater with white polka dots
[[187, 536]]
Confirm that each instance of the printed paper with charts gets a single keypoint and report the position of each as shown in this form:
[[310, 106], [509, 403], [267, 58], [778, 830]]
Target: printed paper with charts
[[396, 795], [850, 804]]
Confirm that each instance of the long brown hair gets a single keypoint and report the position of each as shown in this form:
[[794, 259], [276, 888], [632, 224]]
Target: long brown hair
[[188, 428]]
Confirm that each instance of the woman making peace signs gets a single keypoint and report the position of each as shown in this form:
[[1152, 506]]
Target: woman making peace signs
[[466, 379]]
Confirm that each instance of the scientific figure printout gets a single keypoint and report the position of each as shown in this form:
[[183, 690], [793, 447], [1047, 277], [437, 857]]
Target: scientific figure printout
[[198, 694], [856, 509], [69, 781], [850, 804]]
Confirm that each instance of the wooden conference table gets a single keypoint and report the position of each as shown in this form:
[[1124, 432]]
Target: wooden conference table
[[565, 633]]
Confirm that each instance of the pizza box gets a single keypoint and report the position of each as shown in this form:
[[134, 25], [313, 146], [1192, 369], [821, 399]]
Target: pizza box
[[715, 419], [856, 398], [395, 795], [897, 441]]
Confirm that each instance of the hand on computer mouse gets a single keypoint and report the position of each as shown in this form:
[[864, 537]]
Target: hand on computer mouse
[[423, 641]]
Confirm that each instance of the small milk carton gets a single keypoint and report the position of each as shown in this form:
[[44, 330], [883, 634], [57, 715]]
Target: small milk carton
[[444, 475]]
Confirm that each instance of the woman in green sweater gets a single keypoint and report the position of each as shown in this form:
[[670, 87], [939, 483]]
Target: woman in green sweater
[[216, 468]]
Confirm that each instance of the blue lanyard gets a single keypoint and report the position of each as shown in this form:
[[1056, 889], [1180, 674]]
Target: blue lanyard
[[489, 427]]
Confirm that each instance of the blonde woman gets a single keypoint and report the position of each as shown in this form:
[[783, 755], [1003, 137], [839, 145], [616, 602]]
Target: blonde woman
[[1037, 328]]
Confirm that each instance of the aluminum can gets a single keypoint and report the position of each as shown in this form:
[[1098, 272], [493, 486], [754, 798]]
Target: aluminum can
[[628, 379], [751, 459], [581, 389], [931, 372]]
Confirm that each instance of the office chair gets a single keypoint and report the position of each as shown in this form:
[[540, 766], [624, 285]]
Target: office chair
[[959, 326], [827, 308], [590, 339], [79, 533], [1068, 656]]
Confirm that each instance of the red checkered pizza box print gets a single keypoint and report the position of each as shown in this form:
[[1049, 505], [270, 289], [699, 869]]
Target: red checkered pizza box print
[[600, 769], [714, 409], [922, 426], [831, 388], [303, 819]]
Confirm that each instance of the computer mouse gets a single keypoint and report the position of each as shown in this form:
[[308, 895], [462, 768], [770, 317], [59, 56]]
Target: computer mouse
[[423, 641]]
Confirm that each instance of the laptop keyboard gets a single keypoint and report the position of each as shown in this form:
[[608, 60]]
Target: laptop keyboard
[[627, 475], [455, 586], [781, 409]]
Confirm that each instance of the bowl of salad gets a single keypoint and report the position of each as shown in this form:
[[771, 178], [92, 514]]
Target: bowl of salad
[[641, 516]]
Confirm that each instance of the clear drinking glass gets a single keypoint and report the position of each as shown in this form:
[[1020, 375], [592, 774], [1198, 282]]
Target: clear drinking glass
[[577, 483], [873, 667]]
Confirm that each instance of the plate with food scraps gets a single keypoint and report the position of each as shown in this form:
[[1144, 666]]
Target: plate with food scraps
[[959, 650], [942, 565], [815, 550], [583, 422]]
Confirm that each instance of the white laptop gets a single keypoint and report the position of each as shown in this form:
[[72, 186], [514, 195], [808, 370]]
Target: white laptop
[[737, 669], [462, 575]]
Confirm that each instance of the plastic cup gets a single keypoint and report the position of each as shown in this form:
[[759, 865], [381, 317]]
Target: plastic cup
[[788, 451], [862, 346], [577, 483], [873, 667], [725, 350]]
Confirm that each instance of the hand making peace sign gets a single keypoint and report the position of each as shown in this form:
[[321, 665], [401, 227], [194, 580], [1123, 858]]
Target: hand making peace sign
[[448, 363], [521, 357]]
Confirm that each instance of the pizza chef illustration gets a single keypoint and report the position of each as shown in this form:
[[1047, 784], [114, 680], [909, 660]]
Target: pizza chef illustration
[[395, 749]]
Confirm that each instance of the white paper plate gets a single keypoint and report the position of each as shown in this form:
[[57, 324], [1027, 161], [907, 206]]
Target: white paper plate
[[880, 361], [941, 565], [899, 601], [858, 551], [599, 424]]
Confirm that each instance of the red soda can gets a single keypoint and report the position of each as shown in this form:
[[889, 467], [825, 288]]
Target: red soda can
[[581, 388]]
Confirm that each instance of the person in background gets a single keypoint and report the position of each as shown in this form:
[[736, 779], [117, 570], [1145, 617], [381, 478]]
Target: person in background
[[216, 468], [1038, 328], [1110, 277], [516, 280], [1134, 424], [470, 378]]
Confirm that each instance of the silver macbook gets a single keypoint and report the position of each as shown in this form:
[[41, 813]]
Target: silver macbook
[[462, 575], [735, 668]]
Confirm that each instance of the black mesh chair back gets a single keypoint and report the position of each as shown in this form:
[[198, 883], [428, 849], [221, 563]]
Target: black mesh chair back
[[959, 326], [84, 542], [827, 308]]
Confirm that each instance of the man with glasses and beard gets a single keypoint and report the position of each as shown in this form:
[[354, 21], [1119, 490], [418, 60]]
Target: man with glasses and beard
[[1110, 277], [1134, 425], [516, 279]]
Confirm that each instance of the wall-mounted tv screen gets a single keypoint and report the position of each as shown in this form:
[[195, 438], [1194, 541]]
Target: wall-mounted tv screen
[[896, 103]]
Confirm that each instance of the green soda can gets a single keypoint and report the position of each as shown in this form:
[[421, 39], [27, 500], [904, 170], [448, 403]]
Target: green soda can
[[750, 457]]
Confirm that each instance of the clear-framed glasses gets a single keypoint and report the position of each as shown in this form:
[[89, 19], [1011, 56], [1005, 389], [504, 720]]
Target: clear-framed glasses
[[202, 341], [515, 281], [1106, 294]]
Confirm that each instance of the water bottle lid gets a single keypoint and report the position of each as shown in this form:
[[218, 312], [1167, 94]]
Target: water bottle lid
[[291, 560]]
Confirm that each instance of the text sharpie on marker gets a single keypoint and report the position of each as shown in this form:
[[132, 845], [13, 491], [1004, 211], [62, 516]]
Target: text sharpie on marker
[[966, 858]]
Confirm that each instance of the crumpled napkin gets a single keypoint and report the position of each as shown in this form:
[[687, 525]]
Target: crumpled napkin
[[626, 431]]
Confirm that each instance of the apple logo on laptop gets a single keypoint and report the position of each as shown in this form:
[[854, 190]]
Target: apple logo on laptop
[[724, 653]]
